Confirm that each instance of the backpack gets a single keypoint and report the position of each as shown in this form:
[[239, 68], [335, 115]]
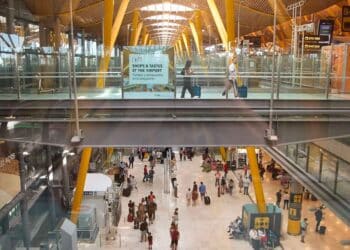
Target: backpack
[[143, 226]]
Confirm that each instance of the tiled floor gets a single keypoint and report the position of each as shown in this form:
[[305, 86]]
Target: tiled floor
[[204, 227]]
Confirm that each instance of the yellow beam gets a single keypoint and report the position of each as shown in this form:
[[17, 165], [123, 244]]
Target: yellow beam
[[218, 21], [134, 26], [223, 153], [144, 36], [186, 42], [107, 24], [138, 32], [254, 170], [230, 22], [104, 63], [145, 42], [195, 36], [198, 24], [79, 190], [180, 47]]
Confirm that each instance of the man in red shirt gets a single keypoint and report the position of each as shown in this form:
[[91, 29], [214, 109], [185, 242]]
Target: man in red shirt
[[145, 173], [175, 235], [225, 169]]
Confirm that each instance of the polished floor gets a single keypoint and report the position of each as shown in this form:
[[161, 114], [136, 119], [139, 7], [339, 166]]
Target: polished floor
[[204, 227]]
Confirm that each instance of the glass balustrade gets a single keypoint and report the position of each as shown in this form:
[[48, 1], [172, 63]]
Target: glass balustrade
[[323, 166], [42, 73]]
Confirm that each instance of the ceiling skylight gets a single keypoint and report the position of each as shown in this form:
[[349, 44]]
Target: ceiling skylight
[[164, 29], [163, 24], [165, 17], [166, 7]]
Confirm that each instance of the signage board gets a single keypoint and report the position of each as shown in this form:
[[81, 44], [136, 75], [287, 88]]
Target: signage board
[[313, 42], [345, 24], [148, 69], [325, 28]]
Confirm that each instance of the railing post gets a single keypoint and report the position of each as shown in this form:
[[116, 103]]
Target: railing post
[[320, 167], [336, 177], [307, 158]]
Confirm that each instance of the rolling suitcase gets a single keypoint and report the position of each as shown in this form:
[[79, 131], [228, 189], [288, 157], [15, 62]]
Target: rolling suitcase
[[206, 200], [197, 90], [322, 230], [243, 91]]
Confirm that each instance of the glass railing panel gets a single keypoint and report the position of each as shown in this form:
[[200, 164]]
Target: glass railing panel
[[301, 156], [329, 163], [343, 180], [314, 161]]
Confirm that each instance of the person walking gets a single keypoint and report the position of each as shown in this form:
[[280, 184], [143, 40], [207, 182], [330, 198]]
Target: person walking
[[202, 190], [175, 188], [144, 230], [173, 176], [303, 225], [225, 169], [145, 173], [152, 206], [223, 185], [318, 217], [131, 160], [194, 196], [187, 72], [231, 185], [189, 197], [285, 200], [232, 78], [217, 178], [246, 183], [150, 240], [240, 183], [175, 235], [278, 198], [181, 151]]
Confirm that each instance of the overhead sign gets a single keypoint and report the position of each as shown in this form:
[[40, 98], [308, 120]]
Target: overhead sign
[[309, 27], [325, 28], [345, 24], [313, 42], [148, 69]]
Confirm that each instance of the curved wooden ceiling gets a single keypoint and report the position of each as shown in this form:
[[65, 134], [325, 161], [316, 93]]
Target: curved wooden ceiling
[[255, 14]]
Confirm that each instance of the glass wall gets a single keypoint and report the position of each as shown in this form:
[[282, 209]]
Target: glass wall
[[321, 165]]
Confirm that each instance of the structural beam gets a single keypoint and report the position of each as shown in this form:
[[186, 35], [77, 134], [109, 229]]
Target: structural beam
[[230, 22], [218, 21], [138, 33], [78, 196], [254, 170], [179, 42], [144, 36], [186, 43], [104, 63], [134, 26], [198, 24]]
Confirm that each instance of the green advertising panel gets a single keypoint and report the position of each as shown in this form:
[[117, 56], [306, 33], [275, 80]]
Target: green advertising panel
[[148, 72]]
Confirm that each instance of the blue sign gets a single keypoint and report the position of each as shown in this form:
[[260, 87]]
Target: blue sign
[[148, 69]]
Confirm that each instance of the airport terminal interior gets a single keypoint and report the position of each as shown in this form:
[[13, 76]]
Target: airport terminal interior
[[174, 124]]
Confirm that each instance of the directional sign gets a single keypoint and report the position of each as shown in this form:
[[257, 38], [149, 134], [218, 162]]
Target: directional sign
[[345, 24]]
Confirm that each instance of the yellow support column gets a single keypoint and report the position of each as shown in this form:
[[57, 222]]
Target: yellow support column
[[145, 35], [138, 32], [186, 43], [198, 24], [107, 46], [134, 26], [223, 153], [254, 170], [230, 22], [218, 21], [79, 190], [104, 63], [179, 42]]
